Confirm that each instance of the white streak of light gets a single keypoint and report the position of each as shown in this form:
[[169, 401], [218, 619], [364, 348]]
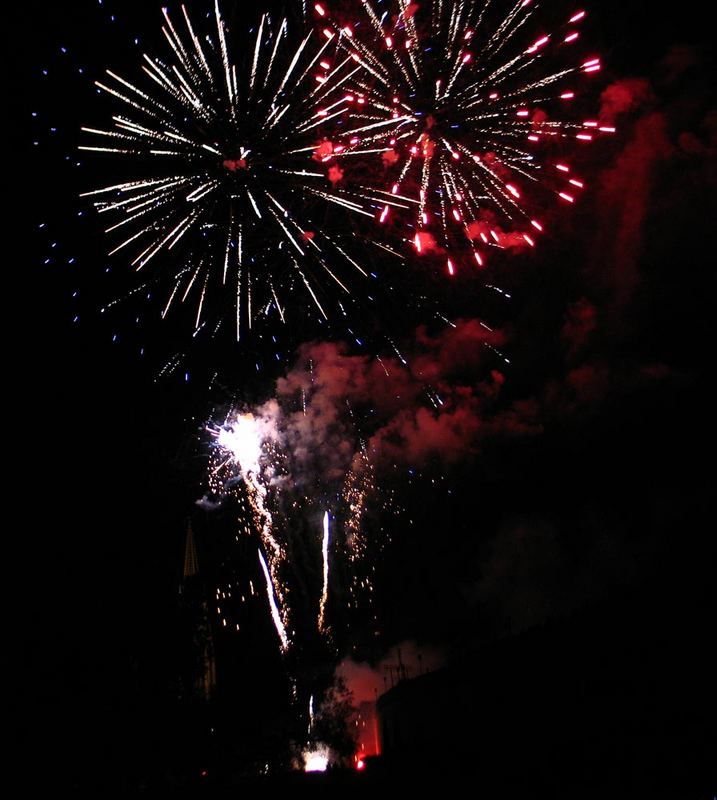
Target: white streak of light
[[325, 555], [278, 624]]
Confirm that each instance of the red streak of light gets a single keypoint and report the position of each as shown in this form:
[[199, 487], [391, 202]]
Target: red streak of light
[[394, 189], [478, 258], [348, 32], [534, 137], [566, 197], [590, 124], [408, 44], [451, 270], [512, 190], [384, 214], [459, 197], [320, 10], [354, 140], [329, 35], [528, 240], [536, 224], [495, 236], [577, 16], [571, 37], [523, 112], [456, 215], [417, 242], [586, 137], [389, 42], [484, 238], [466, 58], [606, 129], [468, 35], [567, 95], [320, 78], [579, 184], [562, 167], [324, 64], [456, 156], [424, 218]]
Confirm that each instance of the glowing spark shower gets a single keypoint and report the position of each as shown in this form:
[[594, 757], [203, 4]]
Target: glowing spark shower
[[253, 464], [468, 107], [229, 175], [243, 442]]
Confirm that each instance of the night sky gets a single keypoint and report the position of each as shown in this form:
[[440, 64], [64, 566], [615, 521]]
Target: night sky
[[577, 476]]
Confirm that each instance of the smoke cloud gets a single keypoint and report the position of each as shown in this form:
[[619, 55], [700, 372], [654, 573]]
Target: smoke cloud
[[367, 681]]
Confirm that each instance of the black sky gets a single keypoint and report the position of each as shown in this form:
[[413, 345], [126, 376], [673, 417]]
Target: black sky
[[612, 496]]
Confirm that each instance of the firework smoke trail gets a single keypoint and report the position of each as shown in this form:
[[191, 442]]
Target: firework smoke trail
[[228, 165], [325, 559], [455, 102], [244, 440]]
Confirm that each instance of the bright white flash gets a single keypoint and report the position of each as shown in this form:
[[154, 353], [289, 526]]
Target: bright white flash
[[316, 760], [243, 439]]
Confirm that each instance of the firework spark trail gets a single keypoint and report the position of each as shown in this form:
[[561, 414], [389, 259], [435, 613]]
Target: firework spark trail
[[222, 148], [325, 559], [275, 613], [456, 103], [356, 490], [244, 440]]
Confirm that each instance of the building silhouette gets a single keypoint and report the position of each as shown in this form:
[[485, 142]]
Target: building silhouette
[[199, 677]]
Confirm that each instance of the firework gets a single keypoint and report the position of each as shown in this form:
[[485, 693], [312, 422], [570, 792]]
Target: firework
[[466, 107], [316, 759], [245, 447], [355, 494], [253, 463], [325, 559], [249, 453], [232, 196]]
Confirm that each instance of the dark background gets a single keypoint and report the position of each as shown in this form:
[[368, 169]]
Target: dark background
[[110, 460]]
